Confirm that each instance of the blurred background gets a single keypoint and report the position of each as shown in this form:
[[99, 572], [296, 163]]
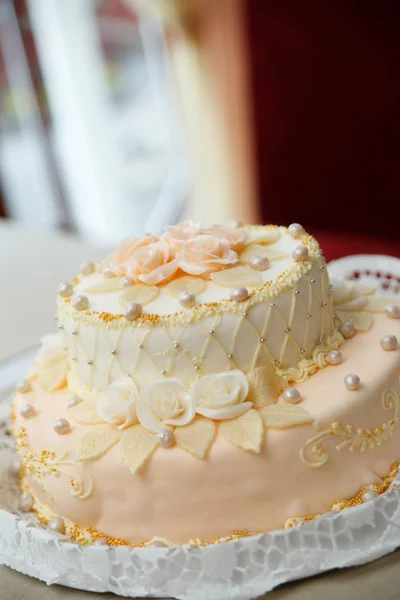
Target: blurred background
[[120, 116]]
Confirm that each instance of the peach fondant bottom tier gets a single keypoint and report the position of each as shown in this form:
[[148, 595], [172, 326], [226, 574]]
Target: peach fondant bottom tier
[[179, 497]]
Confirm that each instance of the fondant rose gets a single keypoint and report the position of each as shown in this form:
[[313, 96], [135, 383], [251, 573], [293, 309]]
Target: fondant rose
[[117, 403], [118, 261], [165, 402], [205, 254], [222, 395], [52, 362], [152, 264], [237, 238], [180, 233]]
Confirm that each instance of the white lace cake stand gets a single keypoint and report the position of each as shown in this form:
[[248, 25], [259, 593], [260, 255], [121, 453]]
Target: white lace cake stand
[[238, 570]]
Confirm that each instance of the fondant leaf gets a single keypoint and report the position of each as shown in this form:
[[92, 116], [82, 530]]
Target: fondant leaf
[[355, 304], [137, 446], [361, 320], [97, 441], [141, 293], [245, 432], [282, 416], [265, 236], [85, 412], [194, 285], [379, 302], [102, 285], [252, 249], [265, 386], [52, 376], [196, 437], [236, 277]]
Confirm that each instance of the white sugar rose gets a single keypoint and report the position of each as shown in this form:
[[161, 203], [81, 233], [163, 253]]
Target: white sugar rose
[[152, 264], [222, 395], [52, 362], [165, 402], [204, 254], [117, 403], [177, 234]]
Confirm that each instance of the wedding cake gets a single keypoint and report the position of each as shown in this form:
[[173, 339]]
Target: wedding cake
[[208, 384]]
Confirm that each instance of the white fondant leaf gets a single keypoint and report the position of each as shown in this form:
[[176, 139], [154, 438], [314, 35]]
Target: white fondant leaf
[[265, 386], [366, 290], [355, 304], [265, 236], [246, 432], [137, 446], [97, 441], [85, 412], [52, 376], [378, 303], [140, 292], [282, 416], [237, 277], [254, 249], [103, 285], [361, 320], [196, 437], [194, 285]]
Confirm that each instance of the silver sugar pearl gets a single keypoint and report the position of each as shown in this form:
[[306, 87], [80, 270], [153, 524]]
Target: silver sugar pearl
[[273, 305], [73, 401], [321, 340], [80, 302], [309, 315], [389, 342], [302, 351], [166, 438], [15, 466], [62, 426], [296, 292], [107, 272], [347, 329], [369, 494], [73, 332], [312, 281], [27, 411], [101, 541], [113, 352], [300, 253], [133, 311], [61, 327], [23, 386], [73, 358], [239, 294], [57, 525], [126, 282], [295, 229], [392, 311], [291, 395], [352, 382], [324, 304], [26, 502], [262, 340], [277, 363], [245, 313], [87, 267], [163, 372], [176, 345], [259, 262], [288, 330], [89, 362], [334, 357], [196, 368], [187, 299], [230, 356], [211, 332], [65, 289], [140, 346]]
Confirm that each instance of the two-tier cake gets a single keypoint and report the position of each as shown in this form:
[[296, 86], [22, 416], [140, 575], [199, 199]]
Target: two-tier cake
[[208, 384]]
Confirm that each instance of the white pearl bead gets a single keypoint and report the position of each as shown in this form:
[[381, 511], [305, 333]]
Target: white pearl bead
[[62, 426], [57, 525], [23, 386], [295, 229], [389, 342], [133, 311], [107, 272], [87, 267], [291, 395], [235, 224], [392, 311], [259, 262], [334, 357], [352, 382], [126, 282], [65, 289], [369, 494], [102, 541], [80, 302], [187, 299], [300, 253], [239, 294], [347, 329], [166, 438], [15, 466], [27, 411], [73, 401], [26, 502]]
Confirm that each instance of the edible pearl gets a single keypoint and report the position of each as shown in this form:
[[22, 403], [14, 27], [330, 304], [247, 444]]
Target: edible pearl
[[107, 272], [348, 329], [65, 289], [62, 426], [15, 466], [235, 224], [300, 253], [352, 382], [369, 494], [87, 267], [27, 411], [73, 401], [166, 438], [187, 299], [23, 386], [126, 282], [259, 262], [133, 311], [392, 311], [291, 395], [102, 541], [239, 294], [295, 229], [26, 502], [57, 525], [334, 357], [389, 342], [80, 302]]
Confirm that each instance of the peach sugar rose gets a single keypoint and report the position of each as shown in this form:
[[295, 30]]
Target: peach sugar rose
[[152, 264], [118, 261], [177, 234], [204, 254], [238, 238]]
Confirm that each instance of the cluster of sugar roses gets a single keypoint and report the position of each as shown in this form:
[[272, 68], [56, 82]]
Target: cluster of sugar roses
[[185, 247]]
